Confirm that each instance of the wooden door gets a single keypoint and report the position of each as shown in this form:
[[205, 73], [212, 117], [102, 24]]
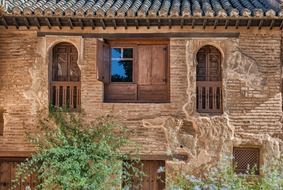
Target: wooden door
[[154, 178], [8, 174], [153, 73]]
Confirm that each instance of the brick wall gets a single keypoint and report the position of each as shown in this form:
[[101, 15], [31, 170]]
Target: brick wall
[[17, 55], [254, 111], [258, 110]]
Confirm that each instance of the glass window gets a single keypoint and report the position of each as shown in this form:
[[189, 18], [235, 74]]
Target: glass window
[[122, 65]]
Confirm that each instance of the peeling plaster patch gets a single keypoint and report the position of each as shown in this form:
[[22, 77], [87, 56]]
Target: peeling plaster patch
[[38, 92], [246, 69]]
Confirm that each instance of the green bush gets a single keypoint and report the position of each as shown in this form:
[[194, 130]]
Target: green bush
[[73, 155], [223, 177]]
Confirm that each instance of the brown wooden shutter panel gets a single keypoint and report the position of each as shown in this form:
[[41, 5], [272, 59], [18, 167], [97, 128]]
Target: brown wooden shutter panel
[[144, 64], [103, 62], [152, 73], [159, 64]]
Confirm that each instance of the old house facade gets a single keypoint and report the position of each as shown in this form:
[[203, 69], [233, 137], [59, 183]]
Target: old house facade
[[194, 80]]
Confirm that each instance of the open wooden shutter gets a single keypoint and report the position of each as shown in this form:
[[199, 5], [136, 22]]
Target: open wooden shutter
[[152, 73], [159, 64], [103, 62], [144, 65]]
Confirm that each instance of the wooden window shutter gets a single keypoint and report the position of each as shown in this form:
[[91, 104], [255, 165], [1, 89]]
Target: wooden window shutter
[[103, 62], [144, 65], [152, 73], [159, 64]]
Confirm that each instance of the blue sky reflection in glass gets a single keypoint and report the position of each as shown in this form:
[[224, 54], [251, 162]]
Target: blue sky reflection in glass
[[121, 64]]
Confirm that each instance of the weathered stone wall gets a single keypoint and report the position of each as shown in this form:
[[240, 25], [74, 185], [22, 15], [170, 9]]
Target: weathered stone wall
[[251, 96]]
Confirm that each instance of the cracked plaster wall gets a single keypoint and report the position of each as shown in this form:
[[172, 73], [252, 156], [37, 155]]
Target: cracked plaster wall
[[249, 97]]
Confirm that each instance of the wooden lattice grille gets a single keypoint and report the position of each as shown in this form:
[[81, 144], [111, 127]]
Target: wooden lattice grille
[[209, 80], [246, 159], [65, 85]]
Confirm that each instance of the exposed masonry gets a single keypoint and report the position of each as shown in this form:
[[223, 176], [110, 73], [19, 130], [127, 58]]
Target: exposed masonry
[[252, 98]]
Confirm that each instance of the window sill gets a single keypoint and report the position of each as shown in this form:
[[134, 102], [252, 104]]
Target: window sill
[[135, 102]]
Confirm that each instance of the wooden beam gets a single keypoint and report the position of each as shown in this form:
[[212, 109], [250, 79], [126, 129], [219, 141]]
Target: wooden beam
[[59, 23], [146, 35], [137, 23], [193, 23], [126, 24], [181, 157], [182, 23], [281, 25], [37, 22], [148, 23], [226, 23], [103, 24], [15, 22], [271, 24], [27, 22], [170, 23], [4, 22], [48, 23], [15, 154], [114, 23], [81, 23], [249, 23], [237, 24], [204, 23], [70, 23], [159, 23], [215, 23], [260, 24], [92, 24]]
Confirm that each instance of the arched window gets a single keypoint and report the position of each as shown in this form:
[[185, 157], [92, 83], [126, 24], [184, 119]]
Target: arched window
[[65, 79], [209, 80]]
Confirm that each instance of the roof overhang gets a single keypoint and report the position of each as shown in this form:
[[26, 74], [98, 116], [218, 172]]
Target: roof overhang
[[104, 22]]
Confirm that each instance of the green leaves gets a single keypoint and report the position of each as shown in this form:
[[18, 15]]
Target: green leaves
[[223, 177], [74, 155]]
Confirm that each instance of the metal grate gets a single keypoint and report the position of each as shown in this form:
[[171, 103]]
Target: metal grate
[[246, 160]]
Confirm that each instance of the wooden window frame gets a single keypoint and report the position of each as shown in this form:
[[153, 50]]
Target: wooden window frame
[[134, 43], [65, 94], [134, 59], [208, 84]]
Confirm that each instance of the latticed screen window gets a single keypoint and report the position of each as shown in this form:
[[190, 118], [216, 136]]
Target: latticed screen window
[[209, 80], [65, 81], [246, 160]]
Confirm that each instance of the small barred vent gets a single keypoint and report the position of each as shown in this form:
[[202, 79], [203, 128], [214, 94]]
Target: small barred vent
[[246, 160]]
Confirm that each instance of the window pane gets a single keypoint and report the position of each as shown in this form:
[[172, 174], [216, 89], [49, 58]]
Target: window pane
[[116, 53], [128, 53], [122, 71]]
